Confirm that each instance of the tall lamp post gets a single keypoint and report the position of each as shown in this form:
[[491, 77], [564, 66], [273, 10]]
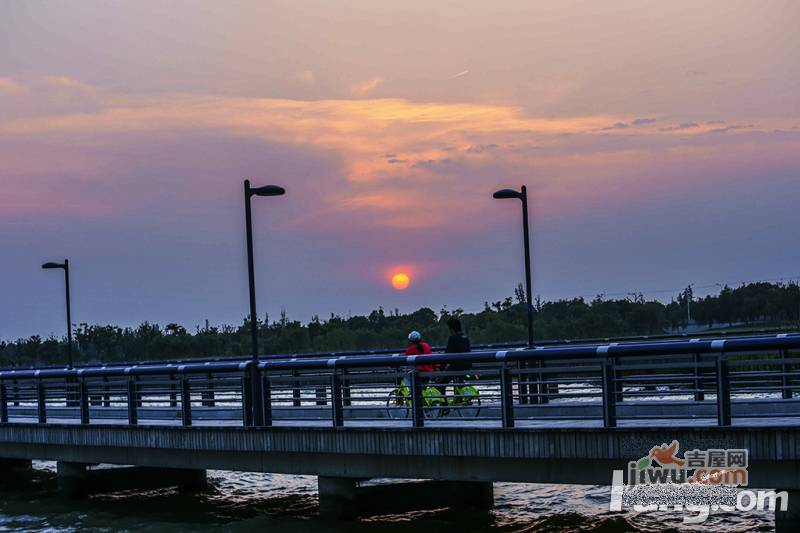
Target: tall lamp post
[[65, 267], [522, 195], [256, 390]]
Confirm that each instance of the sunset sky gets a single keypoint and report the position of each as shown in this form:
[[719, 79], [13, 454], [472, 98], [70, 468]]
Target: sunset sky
[[660, 143]]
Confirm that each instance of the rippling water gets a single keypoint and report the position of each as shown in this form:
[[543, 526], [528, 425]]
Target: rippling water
[[242, 502]]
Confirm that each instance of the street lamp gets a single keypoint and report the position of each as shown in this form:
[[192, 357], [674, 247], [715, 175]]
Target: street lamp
[[257, 397], [65, 266], [523, 196]]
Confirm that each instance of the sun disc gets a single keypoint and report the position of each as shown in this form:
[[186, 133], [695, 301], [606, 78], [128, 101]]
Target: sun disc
[[400, 281]]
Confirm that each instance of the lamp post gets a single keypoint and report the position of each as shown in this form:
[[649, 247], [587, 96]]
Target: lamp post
[[65, 267], [523, 196], [256, 390]]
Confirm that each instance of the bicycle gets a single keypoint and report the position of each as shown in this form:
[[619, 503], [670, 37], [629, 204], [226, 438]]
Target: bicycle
[[465, 401]]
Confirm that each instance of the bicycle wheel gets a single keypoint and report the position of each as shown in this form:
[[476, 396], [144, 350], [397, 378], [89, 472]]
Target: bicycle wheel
[[435, 403], [469, 401], [397, 405]]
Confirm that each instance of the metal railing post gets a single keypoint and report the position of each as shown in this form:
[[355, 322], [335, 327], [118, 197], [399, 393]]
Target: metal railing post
[[139, 402], [83, 400], [173, 394], [95, 401], [618, 382], [522, 384], [542, 388], [322, 400], [336, 400], [106, 394], [609, 394], [70, 392], [133, 415], [296, 389], [417, 406], [41, 401], [506, 397], [723, 392], [247, 399], [699, 394], [266, 394], [186, 402], [347, 398], [209, 396], [3, 404], [786, 381]]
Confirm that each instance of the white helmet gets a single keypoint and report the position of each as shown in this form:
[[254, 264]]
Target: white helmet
[[414, 336]]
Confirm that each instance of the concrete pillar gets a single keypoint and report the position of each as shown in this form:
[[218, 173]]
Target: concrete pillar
[[14, 465], [473, 495], [72, 479], [788, 520], [338, 497], [343, 498], [191, 480], [14, 472], [76, 480], [146, 478]]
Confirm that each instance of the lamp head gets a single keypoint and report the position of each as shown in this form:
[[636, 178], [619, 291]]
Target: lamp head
[[268, 190], [47, 266], [507, 193]]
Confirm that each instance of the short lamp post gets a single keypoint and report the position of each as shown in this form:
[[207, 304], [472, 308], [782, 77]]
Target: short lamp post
[[65, 267]]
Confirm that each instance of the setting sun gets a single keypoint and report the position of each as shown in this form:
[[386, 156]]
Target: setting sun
[[400, 281]]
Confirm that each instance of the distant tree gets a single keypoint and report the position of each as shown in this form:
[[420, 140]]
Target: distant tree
[[519, 294]]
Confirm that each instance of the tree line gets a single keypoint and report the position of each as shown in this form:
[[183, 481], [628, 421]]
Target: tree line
[[500, 321]]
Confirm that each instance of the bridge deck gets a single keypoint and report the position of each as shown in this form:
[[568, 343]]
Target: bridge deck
[[542, 452]]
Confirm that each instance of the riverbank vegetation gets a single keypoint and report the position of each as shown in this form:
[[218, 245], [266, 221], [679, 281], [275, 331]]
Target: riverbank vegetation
[[500, 321]]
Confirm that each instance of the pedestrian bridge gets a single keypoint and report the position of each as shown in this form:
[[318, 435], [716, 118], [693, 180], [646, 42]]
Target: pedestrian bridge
[[561, 414]]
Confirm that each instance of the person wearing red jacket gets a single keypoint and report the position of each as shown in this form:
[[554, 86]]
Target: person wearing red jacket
[[417, 347]]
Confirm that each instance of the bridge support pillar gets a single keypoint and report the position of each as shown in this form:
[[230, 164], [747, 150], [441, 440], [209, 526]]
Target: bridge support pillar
[[72, 479], [13, 467], [344, 498], [190, 480], [14, 464], [13, 472], [76, 480], [789, 520]]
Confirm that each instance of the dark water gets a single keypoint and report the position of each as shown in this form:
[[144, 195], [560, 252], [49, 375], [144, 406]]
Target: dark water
[[242, 502]]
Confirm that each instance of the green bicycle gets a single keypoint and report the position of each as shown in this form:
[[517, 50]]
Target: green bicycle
[[465, 401]]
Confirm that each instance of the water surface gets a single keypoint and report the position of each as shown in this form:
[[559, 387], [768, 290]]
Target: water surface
[[243, 502]]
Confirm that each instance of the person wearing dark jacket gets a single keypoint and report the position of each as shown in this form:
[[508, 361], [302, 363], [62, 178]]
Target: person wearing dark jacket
[[457, 343]]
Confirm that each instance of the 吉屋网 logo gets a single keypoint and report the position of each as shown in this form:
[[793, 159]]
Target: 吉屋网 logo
[[707, 467]]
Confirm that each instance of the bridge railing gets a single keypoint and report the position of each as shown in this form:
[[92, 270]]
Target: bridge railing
[[748, 333], [715, 380]]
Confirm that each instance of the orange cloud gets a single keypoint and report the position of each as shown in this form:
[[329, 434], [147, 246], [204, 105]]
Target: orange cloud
[[12, 87], [366, 88], [69, 83], [430, 146]]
